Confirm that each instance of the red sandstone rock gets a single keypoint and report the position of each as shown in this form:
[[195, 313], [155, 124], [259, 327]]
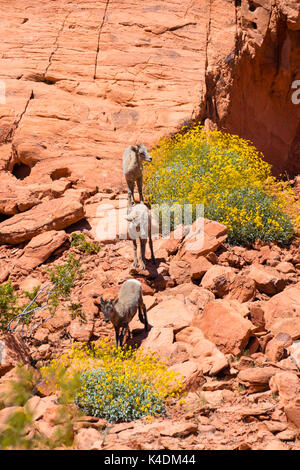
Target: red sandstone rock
[[257, 378], [285, 267], [190, 293], [6, 413], [180, 271], [170, 313], [190, 374], [218, 279], [205, 236], [267, 279], [294, 351], [40, 248], [282, 312], [40, 406], [276, 347], [4, 271], [211, 360], [179, 429], [81, 331], [52, 215], [287, 384], [199, 267], [256, 315], [242, 289], [85, 439], [223, 324], [13, 351], [160, 341]]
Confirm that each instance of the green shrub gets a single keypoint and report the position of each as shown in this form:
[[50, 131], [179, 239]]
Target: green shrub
[[9, 306], [20, 432], [108, 395], [226, 175], [63, 278], [118, 384], [80, 242]]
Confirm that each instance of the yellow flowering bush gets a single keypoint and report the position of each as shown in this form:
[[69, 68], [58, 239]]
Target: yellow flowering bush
[[114, 383], [227, 175]]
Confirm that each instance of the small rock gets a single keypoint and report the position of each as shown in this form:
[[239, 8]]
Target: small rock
[[257, 378], [179, 429], [81, 331], [86, 439], [190, 373], [276, 347], [287, 435], [13, 351]]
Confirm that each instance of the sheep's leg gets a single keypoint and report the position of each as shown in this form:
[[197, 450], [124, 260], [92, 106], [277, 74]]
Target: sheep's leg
[[117, 335], [135, 262], [122, 334], [130, 186], [151, 249], [145, 317], [143, 249], [140, 187], [141, 318]]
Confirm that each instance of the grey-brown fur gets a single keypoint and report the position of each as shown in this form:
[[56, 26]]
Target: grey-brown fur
[[132, 161], [122, 310], [139, 227]]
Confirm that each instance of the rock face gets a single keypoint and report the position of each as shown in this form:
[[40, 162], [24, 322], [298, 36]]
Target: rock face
[[82, 80], [256, 76]]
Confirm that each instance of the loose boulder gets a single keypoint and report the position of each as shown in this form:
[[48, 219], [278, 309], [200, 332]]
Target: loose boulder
[[282, 312], [40, 248], [55, 214], [170, 313], [223, 324], [267, 280], [13, 351], [287, 385], [210, 359]]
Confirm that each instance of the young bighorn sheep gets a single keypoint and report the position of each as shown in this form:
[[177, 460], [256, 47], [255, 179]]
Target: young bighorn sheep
[[132, 160], [139, 226], [122, 310]]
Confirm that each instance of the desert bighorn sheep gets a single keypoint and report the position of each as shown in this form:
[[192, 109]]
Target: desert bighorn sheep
[[139, 226], [122, 310], [132, 160]]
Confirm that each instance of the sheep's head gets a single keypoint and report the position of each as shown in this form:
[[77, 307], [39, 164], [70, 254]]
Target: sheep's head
[[107, 307], [143, 153]]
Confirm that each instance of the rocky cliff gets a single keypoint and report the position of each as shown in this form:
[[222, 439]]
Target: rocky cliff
[[81, 80]]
